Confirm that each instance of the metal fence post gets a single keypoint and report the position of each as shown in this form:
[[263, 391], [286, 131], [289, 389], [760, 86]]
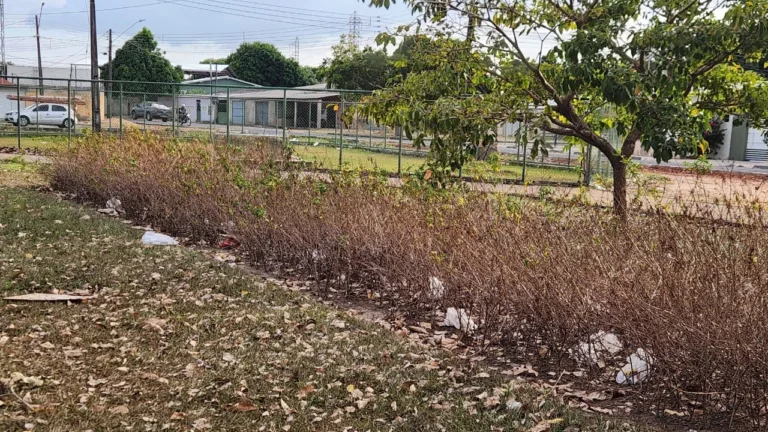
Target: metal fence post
[[400, 152], [229, 114], [173, 107], [70, 112], [312, 107], [285, 114], [37, 111], [144, 104], [588, 166], [525, 157], [18, 111], [242, 118], [121, 110], [385, 136], [341, 132]]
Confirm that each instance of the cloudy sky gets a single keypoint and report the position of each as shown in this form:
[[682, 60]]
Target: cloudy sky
[[191, 30]]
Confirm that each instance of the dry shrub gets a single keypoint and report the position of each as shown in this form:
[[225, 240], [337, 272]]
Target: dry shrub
[[693, 293]]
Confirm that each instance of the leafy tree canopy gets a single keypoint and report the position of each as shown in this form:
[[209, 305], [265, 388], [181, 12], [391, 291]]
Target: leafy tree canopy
[[655, 72], [141, 60], [354, 69], [214, 61], [262, 63]]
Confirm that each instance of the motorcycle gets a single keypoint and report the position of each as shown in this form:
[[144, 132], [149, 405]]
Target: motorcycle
[[184, 118]]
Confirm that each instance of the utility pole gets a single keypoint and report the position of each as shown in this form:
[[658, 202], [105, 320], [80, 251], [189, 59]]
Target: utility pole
[[95, 103], [3, 67], [38, 18], [109, 96]]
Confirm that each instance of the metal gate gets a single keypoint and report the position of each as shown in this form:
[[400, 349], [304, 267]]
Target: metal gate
[[238, 112]]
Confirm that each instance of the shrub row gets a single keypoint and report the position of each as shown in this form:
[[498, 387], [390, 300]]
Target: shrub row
[[693, 294]]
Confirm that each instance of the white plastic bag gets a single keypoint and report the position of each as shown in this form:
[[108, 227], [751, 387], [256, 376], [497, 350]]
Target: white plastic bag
[[157, 239], [460, 319], [600, 346], [436, 288], [636, 370]]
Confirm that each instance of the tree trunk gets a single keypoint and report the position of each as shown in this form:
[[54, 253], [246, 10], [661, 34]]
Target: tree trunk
[[619, 188]]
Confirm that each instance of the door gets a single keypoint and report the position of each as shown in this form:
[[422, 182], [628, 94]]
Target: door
[[40, 114], [57, 115], [262, 113], [198, 110], [238, 115]]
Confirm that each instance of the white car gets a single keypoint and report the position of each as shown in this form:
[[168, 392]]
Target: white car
[[43, 114]]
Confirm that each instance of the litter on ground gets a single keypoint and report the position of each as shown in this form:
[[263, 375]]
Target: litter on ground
[[42, 297], [636, 370], [460, 319], [157, 239]]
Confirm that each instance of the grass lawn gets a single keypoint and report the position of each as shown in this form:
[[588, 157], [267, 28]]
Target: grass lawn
[[328, 157], [32, 140], [16, 172], [178, 341]]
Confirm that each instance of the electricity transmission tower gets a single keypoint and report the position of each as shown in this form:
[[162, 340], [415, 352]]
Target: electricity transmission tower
[[296, 50], [355, 27]]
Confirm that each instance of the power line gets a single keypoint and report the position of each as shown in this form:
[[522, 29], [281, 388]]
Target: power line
[[159, 2], [253, 15]]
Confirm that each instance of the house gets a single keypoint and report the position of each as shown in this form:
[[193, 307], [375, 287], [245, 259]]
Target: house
[[195, 95], [741, 142], [311, 106]]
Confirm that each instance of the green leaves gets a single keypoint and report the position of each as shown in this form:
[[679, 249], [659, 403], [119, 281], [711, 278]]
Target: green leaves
[[263, 64]]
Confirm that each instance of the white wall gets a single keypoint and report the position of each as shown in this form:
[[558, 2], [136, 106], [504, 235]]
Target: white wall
[[756, 140], [52, 75], [6, 104]]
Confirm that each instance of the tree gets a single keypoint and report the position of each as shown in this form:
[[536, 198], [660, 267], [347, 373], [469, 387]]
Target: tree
[[353, 69], [215, 61], [309, 74], [262, 63], [654, 71], [139, 59]]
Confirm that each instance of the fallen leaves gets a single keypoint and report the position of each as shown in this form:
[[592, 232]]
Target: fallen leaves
[[244, 406], [155, 324], [119, 410]]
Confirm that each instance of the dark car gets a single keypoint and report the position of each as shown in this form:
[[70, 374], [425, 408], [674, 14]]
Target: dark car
[[150, 111]]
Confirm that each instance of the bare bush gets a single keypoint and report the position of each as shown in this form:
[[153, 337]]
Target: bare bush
[[691, 292]]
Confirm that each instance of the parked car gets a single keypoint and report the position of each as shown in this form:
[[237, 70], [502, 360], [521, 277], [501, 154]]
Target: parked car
[[150, 111], [43, 114]]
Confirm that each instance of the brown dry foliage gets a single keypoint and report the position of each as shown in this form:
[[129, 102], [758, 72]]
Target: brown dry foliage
[[692, 293]]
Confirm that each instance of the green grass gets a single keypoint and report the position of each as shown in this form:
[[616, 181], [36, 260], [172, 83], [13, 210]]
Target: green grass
[[31, 140], [178, 341], [328, 157]]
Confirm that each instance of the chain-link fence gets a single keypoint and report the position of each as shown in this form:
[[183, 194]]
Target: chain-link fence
[[314, 121]]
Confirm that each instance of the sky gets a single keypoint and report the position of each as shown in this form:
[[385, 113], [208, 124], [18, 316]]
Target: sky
[[189, 31]]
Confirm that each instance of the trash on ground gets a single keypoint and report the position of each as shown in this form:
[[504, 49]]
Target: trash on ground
[[229, 243], [157, 239], [636, 370], [460, 319], [42, 297], [317, 255], [114, 207], [436, 288], [600, 346]]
